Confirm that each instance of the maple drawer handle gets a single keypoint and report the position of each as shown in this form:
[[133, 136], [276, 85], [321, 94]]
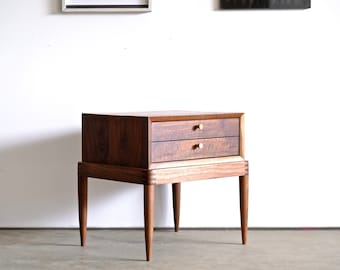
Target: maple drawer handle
[[199, 126], [199, 146]]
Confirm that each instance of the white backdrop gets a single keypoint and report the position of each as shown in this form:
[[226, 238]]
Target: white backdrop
[[279, 67]]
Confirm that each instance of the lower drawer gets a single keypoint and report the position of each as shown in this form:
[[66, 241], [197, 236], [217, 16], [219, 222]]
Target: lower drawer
[[192, 149]]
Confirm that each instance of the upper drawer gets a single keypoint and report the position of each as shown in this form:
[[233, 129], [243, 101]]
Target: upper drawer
[[195, 129]]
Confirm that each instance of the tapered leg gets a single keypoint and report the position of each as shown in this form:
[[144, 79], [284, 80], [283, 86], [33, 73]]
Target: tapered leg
[[176, 201], [149, 197], [82, 203], [244, 206]]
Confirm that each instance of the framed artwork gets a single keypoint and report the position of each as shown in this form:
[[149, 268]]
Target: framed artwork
[[265, 4], [106, 5]]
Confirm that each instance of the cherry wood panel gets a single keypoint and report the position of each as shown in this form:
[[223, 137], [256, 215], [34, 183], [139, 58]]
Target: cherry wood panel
[[160, 116], [181, 130], [115, 140], [193, 116], [182, 174], [162, 175], [195, 162], [112, 172], [190, 149], [95, 138]]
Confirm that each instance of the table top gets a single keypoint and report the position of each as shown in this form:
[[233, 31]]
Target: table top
[[173, 115]]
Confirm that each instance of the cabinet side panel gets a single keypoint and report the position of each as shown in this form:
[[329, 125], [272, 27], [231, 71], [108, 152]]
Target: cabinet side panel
[[115, 140], [128, 141], [94, 138]]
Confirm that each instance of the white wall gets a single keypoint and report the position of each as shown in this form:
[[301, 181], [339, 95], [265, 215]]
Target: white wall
[[279, 67]]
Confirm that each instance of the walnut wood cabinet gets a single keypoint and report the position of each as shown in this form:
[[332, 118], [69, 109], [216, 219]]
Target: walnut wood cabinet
[[153, 148]]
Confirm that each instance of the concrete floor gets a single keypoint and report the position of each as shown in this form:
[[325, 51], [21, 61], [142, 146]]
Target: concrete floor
[[188, 249]]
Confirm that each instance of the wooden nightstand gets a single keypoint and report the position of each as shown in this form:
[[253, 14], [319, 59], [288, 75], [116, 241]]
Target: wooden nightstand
[[152, 148]]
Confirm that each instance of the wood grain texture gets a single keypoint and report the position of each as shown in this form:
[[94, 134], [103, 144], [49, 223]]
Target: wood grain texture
[[95, 137], [160, 116], [192, 116], [111, 172], [242, 137], [189, 149], [195, 162], [115, 140], [149, 197], [176, 202], [82, 206], [199, 172], [183, 130], [244, 187]]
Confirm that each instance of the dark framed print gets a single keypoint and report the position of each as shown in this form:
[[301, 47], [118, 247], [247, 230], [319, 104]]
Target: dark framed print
[[106, 5], [265, 4]]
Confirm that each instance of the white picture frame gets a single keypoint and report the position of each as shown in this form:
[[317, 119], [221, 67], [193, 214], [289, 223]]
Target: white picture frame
[[106, 5]]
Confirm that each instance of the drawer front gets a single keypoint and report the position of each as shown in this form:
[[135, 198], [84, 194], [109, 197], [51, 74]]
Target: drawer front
[[193, 149], [195, 129]]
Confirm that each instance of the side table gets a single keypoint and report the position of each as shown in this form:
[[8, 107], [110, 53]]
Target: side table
[[154, 148]]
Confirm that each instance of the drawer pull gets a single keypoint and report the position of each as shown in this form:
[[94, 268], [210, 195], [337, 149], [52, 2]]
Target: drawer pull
[[199, 127], [199, 146]]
